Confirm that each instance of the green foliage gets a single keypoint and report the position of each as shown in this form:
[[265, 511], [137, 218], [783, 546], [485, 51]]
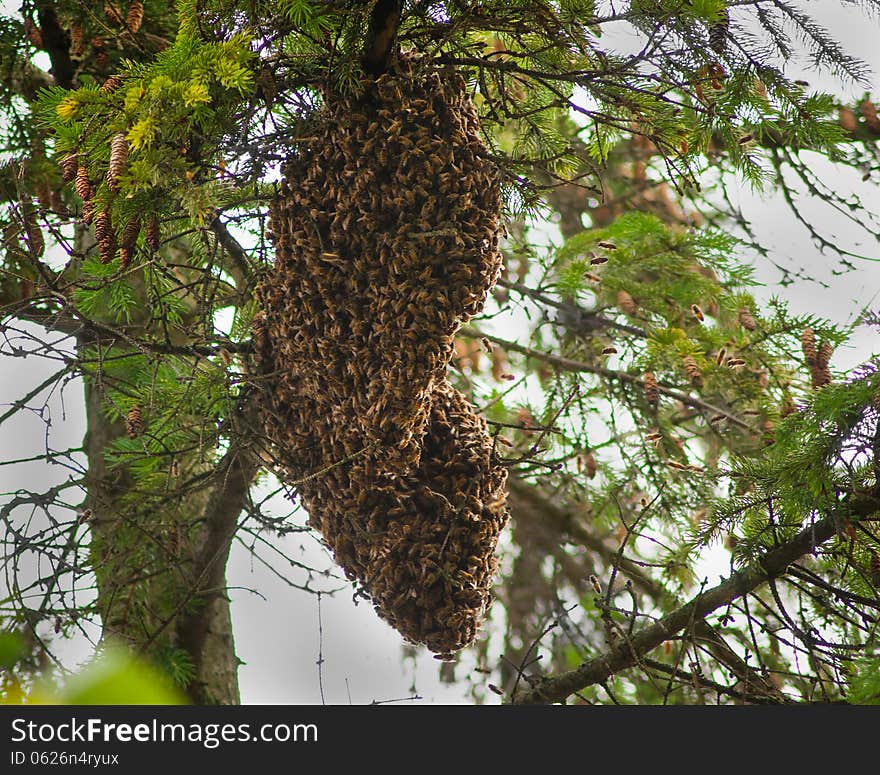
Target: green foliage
[[864, 682], [737, 445], [113, 678]]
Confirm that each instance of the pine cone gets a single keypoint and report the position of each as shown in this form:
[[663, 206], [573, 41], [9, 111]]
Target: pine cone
[[692, 370], [869, 112], [112, 12], [77, 40], [83, 185], [88, 212], [118, 155], [134, 422], [129, 238], [848, 120], [106, 236], [808, 345], [746, 319], [652, 389], [152, 237], [135, 16], [111, 84], [819, 371], [68, 166], [626, 303]]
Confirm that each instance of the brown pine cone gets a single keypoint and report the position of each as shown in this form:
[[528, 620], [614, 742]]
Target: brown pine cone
[[118, 155], [135, 16], [83, 185], [152, 235], [68, 166], [129, 238], [134, 422], [746, 319], [106, 236], [652, 389], [808, 345], [626, 303], [692, 370]]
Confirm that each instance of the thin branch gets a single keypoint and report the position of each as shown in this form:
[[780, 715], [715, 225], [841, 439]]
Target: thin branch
[[774, 563]]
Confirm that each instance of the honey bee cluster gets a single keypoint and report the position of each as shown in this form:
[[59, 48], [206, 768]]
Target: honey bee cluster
[[386, 231]]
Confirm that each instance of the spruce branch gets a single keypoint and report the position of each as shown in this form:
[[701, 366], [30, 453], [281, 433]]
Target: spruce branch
[[773, 564]]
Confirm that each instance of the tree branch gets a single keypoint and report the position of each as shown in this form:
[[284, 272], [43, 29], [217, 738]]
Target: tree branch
[[568, 523], [384, 21], [205, 631], [627, 653], [57, 45], [567, 364]]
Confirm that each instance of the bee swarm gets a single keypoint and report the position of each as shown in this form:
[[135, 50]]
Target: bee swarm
[[386, 231]]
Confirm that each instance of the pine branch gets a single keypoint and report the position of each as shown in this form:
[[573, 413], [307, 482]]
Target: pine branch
[[568, 523], [567, 364], [629, 651]]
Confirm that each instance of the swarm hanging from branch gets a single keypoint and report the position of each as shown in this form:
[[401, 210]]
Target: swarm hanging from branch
[[386, 230]]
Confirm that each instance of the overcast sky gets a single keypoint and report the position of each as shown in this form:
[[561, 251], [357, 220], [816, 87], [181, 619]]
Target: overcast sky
[[276, 631]]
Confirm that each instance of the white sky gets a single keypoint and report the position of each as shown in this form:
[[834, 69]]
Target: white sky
[[276, 631]]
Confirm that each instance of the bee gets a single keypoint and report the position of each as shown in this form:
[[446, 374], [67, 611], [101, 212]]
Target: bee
[[607, 245], [598, 260], [697, 312]]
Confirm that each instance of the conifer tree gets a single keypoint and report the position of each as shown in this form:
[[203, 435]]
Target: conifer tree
[[466, 279]]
